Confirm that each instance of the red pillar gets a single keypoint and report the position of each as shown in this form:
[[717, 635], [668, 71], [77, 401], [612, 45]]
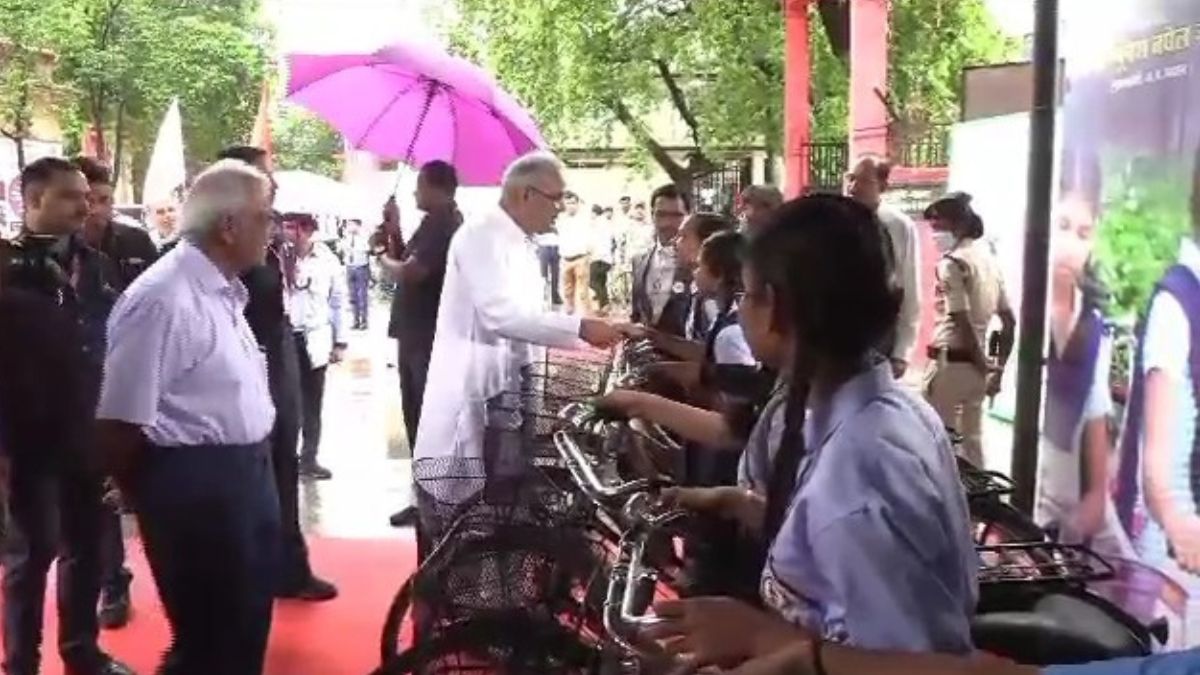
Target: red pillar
[[796, 98], [868, 76]]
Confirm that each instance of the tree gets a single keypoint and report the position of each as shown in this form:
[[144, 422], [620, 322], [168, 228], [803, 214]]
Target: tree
[[304, 142], [127, 58], [26, 65], [718, 64]]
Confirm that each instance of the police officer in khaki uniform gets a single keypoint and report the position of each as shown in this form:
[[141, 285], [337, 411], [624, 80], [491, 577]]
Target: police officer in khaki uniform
[[970, 293]]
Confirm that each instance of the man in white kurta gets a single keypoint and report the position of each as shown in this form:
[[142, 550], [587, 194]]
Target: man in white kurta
[[491, 320]]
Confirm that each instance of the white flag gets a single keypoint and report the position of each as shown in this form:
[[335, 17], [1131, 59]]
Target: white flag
[[166, 175]]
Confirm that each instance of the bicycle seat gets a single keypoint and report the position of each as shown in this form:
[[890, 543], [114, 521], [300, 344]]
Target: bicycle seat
[[1061, 628]]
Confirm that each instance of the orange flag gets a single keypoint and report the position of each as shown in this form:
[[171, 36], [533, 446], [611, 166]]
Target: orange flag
[[260, 135]]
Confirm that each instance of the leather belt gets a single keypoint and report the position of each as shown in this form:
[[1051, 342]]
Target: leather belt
[[950, 354]]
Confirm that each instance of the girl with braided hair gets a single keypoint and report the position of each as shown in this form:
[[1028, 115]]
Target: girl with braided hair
[[863, 518]]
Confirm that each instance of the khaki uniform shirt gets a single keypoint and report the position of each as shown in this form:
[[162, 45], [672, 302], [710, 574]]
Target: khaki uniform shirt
[[968, 280]]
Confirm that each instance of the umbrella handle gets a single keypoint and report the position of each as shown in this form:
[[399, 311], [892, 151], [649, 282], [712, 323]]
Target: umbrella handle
[[431, 87]]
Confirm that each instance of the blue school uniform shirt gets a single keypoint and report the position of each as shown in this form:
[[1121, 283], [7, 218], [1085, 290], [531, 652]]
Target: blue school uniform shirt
[[876, 549], [1178, 663]]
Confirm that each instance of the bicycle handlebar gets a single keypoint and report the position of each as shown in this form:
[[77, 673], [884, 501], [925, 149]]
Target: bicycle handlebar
[[629, 597], [581, 470]]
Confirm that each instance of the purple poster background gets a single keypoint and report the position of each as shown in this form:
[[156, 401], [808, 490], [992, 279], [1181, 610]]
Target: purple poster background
[[1131, 130]]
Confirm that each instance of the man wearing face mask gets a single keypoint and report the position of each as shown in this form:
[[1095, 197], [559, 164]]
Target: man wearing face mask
[[54, 474]]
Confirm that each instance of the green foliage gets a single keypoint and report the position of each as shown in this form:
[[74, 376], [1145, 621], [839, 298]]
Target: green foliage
[[931, 42], [1146, 215], [830, 89], [306, 143], [123, 61], [27, 28], [584, 66]]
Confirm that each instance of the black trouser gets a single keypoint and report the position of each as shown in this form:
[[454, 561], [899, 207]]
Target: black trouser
[[359, 280], [209, 519], [55, 513], [115, 577], [548, 258], [413, 363], [715, 549], [312, 397], [284, 366], [598, 280]]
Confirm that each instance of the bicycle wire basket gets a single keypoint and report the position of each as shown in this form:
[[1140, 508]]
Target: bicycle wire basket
[[517, 547], [573, 377]]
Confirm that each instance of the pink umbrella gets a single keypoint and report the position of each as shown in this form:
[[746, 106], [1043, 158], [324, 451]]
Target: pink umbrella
[[416, 103]]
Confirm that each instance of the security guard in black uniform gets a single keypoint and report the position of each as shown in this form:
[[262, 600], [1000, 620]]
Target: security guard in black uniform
[[132, 251], [268, 318], [55, 484]]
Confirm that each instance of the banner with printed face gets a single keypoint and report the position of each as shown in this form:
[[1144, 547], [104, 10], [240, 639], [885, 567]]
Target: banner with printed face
[[1120, 458]]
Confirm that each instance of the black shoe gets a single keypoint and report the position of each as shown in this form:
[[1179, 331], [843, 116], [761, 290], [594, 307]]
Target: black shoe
[[115, 610], [314, 471], [405, 517], [313, 590], [105, 666]]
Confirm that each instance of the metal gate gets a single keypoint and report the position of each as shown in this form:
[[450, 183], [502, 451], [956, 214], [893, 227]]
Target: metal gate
[[717, 191]]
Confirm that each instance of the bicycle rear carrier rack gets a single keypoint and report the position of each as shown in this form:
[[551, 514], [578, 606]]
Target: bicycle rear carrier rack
[[1040, 563]]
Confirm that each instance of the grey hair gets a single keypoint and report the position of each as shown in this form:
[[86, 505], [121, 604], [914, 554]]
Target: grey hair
[[526, 168], [223, 189]]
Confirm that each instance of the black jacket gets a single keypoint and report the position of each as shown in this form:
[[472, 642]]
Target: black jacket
[[131, 249], [46, 402]]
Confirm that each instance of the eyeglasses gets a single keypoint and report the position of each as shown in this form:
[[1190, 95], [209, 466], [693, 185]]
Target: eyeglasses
[[558, 200], [669, 215]]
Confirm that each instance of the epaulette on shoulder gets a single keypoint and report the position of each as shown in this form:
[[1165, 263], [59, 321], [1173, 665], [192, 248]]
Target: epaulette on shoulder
[[958, 262]]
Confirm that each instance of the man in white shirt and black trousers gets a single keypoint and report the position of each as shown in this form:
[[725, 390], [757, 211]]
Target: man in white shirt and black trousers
[[185, 414], [491, 321]]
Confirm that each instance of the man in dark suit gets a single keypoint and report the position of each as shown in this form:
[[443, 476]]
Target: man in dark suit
[[267, 315], [132, 251], [661, 296], [57, 294]]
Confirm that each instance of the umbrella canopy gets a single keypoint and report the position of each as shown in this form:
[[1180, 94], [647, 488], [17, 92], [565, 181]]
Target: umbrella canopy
[[416, 103]]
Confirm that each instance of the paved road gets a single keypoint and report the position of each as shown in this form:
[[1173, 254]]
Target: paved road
[[362, 442]]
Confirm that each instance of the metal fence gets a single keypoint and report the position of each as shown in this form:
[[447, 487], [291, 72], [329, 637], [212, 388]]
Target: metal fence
[[828, 162], [717, 191]]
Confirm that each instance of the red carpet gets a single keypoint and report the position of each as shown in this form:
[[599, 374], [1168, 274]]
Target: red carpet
[[340, 637]]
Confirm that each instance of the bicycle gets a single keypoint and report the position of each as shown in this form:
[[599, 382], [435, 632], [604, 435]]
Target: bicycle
[[504, 587]]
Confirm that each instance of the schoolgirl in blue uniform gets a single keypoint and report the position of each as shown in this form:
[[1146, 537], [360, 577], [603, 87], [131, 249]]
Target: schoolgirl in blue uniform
[[863, 517]]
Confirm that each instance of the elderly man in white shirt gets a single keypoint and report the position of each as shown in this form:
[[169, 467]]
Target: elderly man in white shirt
[[491, 322], [185, 413], [866, 184]]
